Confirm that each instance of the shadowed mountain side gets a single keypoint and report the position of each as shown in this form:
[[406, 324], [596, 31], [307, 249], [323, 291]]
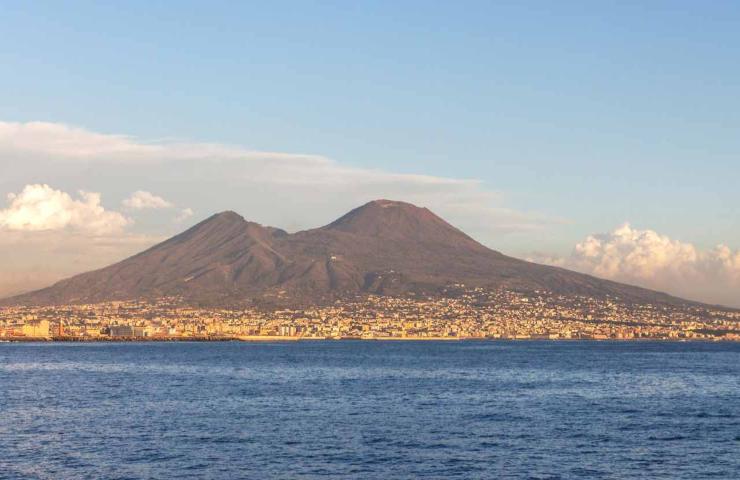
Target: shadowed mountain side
[[383, 247]]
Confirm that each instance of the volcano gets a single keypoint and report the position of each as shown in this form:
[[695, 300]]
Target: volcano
[[383, 247]]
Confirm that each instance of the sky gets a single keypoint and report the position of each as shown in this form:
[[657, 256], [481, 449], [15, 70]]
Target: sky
[[601, 137]]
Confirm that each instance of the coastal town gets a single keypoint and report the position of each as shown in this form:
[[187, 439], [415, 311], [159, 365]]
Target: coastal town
[[458, 315]]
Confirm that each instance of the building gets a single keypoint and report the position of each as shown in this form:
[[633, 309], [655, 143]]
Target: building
[[36, 328], [139, 332], [287, 330], [121, 331]]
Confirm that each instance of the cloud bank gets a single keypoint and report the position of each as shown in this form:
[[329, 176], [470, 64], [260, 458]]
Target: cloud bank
[[142, 200], [46, 234], [40, 207], [652, 260], [294, 191]]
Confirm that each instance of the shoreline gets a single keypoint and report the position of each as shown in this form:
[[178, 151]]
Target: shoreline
[[288, 339]]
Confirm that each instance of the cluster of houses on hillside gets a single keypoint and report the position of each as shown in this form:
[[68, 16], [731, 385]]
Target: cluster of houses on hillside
[[459, 314]]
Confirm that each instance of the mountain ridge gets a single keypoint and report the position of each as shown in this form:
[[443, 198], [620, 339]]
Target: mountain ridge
[[383, 247]]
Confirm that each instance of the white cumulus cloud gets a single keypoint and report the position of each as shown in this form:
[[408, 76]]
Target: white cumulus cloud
[[185, 213], [142, 200], [649, 259], [47, 234], [40, 207]]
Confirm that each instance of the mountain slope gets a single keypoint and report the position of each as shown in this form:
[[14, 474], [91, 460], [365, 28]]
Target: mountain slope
[[383, 247]]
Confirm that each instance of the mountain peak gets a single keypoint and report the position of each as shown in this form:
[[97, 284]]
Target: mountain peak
[[394, 219], [384, 203], [228, 216]]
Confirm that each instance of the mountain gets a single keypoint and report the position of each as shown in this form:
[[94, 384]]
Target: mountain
[[383, 247]]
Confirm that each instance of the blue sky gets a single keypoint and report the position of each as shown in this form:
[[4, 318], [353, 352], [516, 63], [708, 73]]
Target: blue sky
[[592, 114]]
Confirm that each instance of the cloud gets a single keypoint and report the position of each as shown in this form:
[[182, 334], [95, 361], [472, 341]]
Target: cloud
[[65, 141], [46, 235], [39, 207], [303, 190], [185, 213], [60, 140], [142, 200], [649, 259]]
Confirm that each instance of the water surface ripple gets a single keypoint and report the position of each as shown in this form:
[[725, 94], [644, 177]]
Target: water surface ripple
[[350, 409]]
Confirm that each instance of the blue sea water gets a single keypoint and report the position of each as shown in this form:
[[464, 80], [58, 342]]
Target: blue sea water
[[352, 409]]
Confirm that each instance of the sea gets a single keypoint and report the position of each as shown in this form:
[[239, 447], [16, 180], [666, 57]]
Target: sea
[[370, 409]]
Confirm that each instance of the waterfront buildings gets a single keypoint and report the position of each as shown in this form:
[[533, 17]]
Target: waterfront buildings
[[460, 314], [36, 328]]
